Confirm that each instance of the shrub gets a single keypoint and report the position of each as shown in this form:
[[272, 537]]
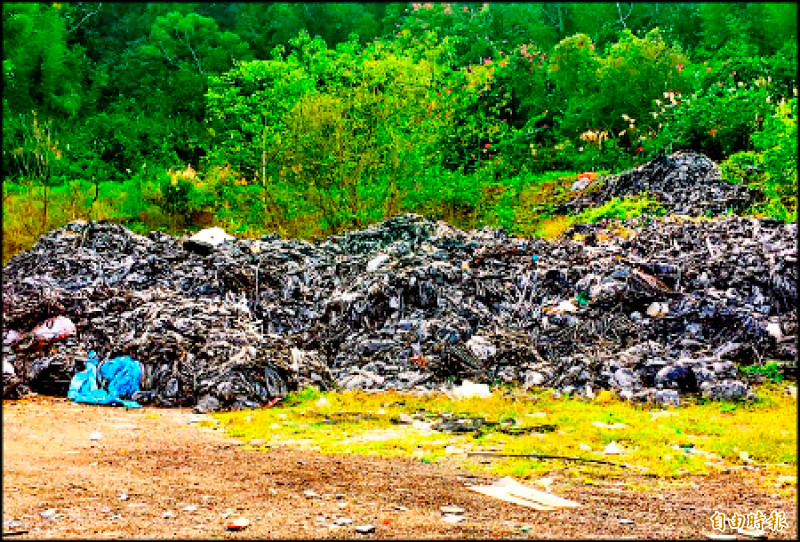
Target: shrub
[[635, 72], [718, 122], [772, 167], [176, 195], [778, 144]]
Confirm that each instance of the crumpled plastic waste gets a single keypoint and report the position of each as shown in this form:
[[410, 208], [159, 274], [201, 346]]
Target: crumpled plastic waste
[[54, 329], [649, 308], [468, 390], [122, 375]]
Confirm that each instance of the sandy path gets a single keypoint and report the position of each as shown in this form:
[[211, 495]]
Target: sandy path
[[153, 474]]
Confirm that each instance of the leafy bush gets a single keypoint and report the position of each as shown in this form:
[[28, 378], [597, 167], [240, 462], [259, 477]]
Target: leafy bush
[[778, 144], [635, 72], [772, 167], [176, 195], [573, 69], [718, 122]]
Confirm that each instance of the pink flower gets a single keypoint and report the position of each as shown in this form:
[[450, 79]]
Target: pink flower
[[487, 146], [487, 60], [448, 10], [639, 149], [591, 46], [415, 5], [465, 9], [680, 67], [427, 5]]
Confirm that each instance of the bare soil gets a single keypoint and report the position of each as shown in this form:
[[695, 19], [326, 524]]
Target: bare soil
[[153, 474]]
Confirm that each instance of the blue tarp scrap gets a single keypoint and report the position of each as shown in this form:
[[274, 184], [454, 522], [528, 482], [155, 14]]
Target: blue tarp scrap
[[121, 373]]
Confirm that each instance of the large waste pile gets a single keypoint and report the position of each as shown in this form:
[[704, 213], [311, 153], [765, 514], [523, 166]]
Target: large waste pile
[[654, 309], [683, 183]]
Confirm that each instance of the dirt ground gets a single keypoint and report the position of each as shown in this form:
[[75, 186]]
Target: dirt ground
[[154, 473]]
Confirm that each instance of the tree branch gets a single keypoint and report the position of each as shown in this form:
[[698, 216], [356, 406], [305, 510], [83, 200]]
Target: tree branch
[[95, 12], [189, 45], [623, 19]]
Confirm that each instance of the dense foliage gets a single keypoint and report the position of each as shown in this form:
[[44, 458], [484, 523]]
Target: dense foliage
[[311, 118]]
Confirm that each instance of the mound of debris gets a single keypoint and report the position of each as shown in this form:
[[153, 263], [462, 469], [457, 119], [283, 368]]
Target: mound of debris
[[653, 308], [683, 183]]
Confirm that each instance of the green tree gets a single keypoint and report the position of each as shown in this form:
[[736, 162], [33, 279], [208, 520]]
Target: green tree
[[573, 69], [40, 71], [636, 72]]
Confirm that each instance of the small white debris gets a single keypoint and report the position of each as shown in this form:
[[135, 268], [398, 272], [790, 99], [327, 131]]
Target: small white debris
[[566, 306], [774, 329], [661, 414], [213, 236], [237, 524], [377, 262], [481, 347], [603, 425], [752, 533], [719, 536], [468, 390], [657, 310], [744, 456]]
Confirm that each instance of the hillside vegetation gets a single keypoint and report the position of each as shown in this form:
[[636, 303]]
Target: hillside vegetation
[[307, 119]]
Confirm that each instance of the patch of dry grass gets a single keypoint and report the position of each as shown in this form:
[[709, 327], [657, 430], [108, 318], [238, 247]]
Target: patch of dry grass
[[673, 443]]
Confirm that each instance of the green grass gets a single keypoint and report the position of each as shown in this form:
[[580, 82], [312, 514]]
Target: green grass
[[699, 438], [769, 370]]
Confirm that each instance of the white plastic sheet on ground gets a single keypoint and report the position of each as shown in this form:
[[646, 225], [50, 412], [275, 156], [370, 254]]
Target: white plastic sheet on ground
[[509, 490]]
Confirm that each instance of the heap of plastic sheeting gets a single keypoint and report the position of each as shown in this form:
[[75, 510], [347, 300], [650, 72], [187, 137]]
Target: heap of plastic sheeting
[[655, 309]]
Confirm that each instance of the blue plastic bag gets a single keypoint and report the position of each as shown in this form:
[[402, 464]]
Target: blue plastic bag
[[122, 374]]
